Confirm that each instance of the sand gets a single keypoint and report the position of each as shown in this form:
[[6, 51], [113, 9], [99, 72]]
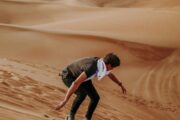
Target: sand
[[40, 37]]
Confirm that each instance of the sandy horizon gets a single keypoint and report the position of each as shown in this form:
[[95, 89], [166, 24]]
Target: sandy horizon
[[40, 37]]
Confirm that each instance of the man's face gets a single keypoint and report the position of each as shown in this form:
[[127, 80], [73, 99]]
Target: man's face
[[109, 67]]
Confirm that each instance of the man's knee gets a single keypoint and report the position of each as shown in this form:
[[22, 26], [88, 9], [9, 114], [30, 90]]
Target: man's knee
[[80, 97], [95, 99]]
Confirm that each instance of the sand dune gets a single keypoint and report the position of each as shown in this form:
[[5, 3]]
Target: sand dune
[[21, 81], [159, 27], [127, 3], [40, 37], [55, 45]]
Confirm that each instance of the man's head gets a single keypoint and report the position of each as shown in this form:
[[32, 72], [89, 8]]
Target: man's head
[[111, 60]]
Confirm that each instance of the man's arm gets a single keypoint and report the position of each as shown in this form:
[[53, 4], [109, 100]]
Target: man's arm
[[114, 79], [72, 89]]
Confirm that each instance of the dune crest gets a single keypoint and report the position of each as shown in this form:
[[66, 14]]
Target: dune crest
[[127, 3]]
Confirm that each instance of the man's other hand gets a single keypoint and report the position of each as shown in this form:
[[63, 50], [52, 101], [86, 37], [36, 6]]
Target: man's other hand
[[123, 89], [60, 105]]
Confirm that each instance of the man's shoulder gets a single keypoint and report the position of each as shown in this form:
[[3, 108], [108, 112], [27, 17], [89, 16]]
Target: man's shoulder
[[86, 59]]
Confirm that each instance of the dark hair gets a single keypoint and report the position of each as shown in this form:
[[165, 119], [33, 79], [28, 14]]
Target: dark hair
[[112, 59]]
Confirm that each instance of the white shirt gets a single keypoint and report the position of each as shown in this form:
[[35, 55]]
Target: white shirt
[[101, 70]]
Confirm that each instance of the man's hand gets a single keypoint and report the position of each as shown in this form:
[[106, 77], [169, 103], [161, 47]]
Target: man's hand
[[72, 89], [123, 89], [60, 105], [114, 79]]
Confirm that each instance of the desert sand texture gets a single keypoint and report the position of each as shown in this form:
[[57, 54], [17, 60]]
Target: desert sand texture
[[40, 37]]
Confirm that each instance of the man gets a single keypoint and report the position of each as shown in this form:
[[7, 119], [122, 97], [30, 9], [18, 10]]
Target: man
[[78, 75]]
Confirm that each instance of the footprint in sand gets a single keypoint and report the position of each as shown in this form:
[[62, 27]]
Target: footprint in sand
[[48, 116], [150, 104]]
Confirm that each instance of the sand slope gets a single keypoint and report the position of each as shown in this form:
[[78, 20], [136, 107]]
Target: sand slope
[[25, 90], [40, 37], [141, 102]]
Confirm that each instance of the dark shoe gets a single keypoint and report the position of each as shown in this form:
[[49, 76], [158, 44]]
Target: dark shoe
[[70, 117]]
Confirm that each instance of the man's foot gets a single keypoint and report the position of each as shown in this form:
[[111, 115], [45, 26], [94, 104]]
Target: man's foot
[[70, 117]]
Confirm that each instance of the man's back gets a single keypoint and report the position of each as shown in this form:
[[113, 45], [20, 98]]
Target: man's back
[[88, 65]]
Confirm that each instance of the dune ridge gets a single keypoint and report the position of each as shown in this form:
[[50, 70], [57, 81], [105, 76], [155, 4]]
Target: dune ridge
[[138, 50], [81, 34], [127, 3]]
